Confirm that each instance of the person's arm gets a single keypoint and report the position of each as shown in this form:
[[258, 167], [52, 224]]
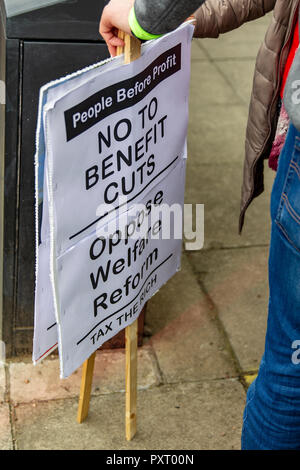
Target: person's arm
[[145, 19], [148, 19], [157, 17], [216, 17]]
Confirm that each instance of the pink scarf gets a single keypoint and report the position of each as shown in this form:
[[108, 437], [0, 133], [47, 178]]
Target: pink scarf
[[281, 131]]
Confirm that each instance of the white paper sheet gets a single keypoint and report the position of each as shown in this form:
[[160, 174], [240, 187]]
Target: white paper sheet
[[111, 130]]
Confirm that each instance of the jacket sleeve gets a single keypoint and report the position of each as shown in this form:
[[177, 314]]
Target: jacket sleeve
[[215, 17], [163, 16]]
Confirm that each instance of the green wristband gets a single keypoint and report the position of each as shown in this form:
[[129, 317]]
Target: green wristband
[[137, 30]]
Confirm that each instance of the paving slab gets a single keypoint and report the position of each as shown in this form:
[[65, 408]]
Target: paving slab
[[186, 338], [240, 74], [42, 382], [185, 416], [216, 135], [219, 189], [236, 281], [242, 42], [2, 383], [6, 442], [208, 87], [178, 295], [197, 53], [219, 100]]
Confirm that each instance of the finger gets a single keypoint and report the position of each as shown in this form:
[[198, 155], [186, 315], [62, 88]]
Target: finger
[[111, 38], [107, 38], [112, 50], [105, 27], [115, 41], [112, 43]]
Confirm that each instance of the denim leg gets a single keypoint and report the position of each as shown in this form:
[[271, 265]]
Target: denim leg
[[272, 412]]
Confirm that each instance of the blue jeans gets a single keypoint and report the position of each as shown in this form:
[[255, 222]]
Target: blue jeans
[[272, 412]]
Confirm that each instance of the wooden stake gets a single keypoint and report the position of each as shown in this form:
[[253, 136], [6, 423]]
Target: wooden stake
[[85, 388], [131, 346], [132, 51]]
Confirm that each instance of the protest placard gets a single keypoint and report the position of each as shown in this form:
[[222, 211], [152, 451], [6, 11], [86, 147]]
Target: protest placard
[[110, 185]]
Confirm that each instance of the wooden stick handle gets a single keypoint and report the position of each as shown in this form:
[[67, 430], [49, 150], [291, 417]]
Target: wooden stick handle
[[132, 51], [85, 388], [131, 345]]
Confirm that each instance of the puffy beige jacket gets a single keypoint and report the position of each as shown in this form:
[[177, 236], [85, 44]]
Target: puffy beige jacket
[[219, 16]]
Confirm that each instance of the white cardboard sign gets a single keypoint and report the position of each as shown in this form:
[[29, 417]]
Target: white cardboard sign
[[111, 154]]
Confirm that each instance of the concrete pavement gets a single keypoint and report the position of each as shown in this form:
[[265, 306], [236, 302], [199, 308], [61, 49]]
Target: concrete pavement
[[205, 328]]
